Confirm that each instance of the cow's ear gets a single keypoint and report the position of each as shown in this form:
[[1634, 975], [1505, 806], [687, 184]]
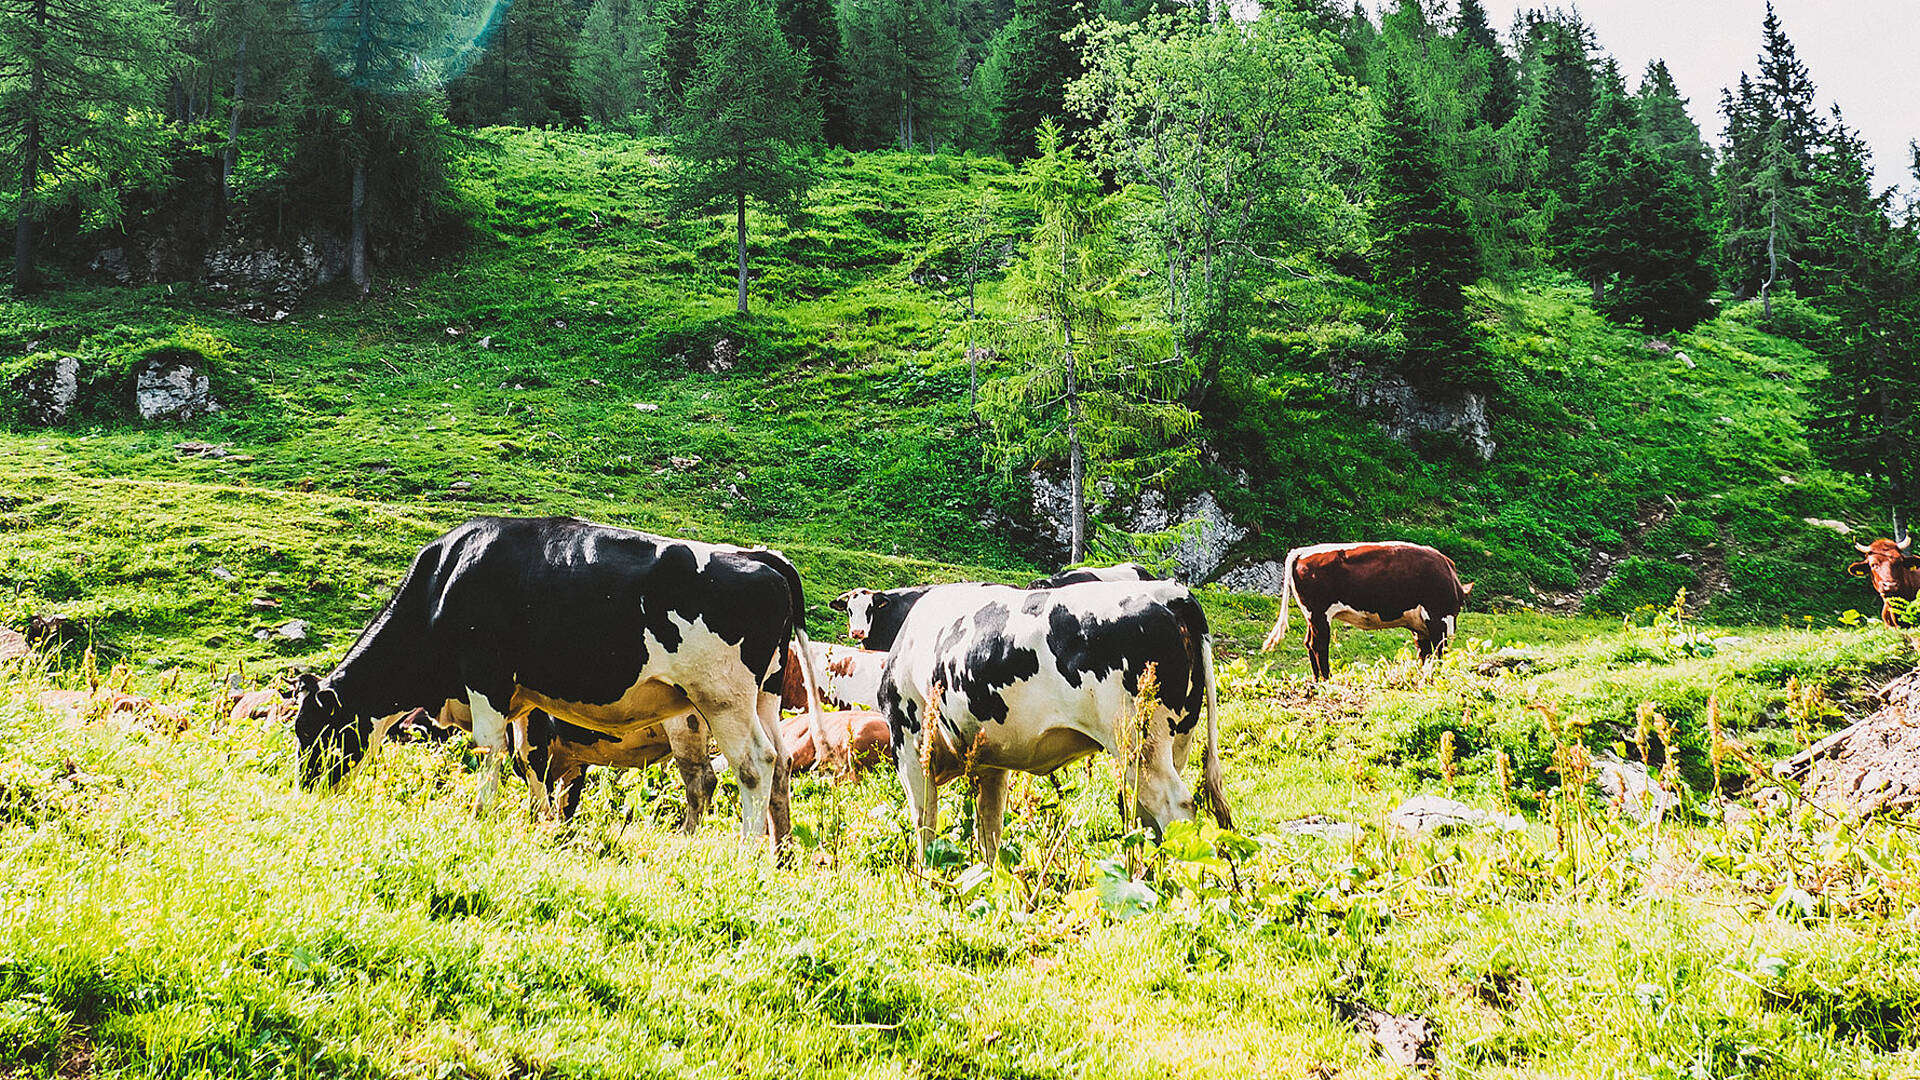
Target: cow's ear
[[1910, 562], [839, 603], [308, 683], [1466, 588], [328, 700], [879, 601], [1858, 569]]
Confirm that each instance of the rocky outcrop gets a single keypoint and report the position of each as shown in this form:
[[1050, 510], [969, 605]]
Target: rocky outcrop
[[1202, 549], [170, 390], [1406, 410], [48, 390], [282, 275]]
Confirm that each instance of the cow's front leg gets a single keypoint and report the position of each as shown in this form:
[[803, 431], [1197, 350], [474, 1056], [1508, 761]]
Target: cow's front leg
[[490, 738], [989, 810]]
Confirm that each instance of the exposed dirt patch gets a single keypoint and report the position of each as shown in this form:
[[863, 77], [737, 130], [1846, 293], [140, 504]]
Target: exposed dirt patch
[[1873, 765]]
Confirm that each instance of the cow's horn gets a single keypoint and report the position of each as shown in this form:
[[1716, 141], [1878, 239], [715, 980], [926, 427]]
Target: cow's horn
[[1905, 545], [1863, 549]]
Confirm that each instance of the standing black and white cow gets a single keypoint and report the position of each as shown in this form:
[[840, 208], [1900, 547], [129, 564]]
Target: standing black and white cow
[[1034, 679], [606, 628]]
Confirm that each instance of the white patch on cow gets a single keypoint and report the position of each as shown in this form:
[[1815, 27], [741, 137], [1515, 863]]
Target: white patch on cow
[[490, 734], [1448, 622], [859, 613], [849, 678], [1414, 619], [1049, 721]]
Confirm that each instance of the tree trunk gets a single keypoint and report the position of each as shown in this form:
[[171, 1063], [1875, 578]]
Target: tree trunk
[[23, 277], [1773, 258], [1076, 463], [740, 241], [1599, 290], [1898, 491], [232, 154], [357, 244]]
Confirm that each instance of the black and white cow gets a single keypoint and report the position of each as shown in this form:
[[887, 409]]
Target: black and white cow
[[605, 628], [1034, 679], [1080, 575]]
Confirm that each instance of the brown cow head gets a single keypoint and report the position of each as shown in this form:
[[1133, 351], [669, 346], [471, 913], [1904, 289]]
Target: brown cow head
[[1892, 571]]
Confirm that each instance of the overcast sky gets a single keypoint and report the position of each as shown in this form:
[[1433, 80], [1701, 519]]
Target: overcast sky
[[1862, 54]]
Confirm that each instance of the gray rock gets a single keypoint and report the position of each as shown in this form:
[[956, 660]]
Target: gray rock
[[1426, 813], [1629, 783], [1262, 577], [49, 390], [1406, 410], [292, 630], [1322, 826], [1840, 527], [1200, 552], [164, 390]]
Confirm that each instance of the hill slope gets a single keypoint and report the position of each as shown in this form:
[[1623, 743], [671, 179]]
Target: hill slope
[[577, 354]]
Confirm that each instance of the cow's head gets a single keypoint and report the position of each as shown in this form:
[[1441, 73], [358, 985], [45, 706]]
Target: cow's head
[[1892, 571], [332, 739], [874, 617]]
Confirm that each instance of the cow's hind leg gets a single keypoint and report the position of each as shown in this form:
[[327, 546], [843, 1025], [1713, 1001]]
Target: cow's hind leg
[[989, 810], [1320, 645], [758, 766], [688, 738]]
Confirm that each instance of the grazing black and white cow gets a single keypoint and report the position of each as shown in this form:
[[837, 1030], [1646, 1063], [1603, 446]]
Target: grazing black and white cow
[[605, 628], [1080, 575], [1034, 679], [1374, 586]]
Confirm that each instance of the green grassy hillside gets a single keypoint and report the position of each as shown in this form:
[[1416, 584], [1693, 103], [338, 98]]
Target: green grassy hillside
[[552, 361]]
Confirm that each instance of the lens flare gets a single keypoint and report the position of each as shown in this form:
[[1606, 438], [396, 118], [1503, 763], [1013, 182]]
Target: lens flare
[[401, 46]]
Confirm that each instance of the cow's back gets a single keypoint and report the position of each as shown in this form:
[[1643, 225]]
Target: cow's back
[[1389, 576]]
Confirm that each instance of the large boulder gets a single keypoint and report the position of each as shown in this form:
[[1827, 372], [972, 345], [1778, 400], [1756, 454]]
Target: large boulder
[[48, 389], [168, 388]]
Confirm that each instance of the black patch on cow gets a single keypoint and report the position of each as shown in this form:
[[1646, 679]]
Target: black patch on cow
[[1166, 635], [991, 664], [1082, 575], [887, 611]]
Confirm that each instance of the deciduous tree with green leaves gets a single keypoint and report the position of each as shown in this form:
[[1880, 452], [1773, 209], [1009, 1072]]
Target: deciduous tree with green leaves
[[1091, 386], [747, 122], [76, 81], [1249, 141]]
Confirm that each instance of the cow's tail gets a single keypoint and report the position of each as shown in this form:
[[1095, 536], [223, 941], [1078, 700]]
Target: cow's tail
[[1279, 631], [1211, 779], [797, 632]]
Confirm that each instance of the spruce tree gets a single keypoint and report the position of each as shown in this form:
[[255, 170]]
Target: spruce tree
[[1866, 408], [746, 123], [616, 64], [74, 78], [1772, 131], [1665, 126], [1038, 65], [1423, 252], [1498, 86], [1560, 104], [903, 70], [813, 27], [524, 76]]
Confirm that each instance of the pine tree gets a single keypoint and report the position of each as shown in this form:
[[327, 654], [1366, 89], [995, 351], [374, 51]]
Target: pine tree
[[1039, 64], [1866, 408], [1497, 86], [1423, 252], [1559, 103], [524, 76], [616, 64], [1665, 126], [76, 77], [813, 27], [1090, 388], [903, 69], [747, 119], [1772, 131]]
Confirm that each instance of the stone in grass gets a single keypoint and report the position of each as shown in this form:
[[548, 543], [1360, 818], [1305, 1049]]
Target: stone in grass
[[1322, 826], [165, 389], [48, 391], [291, 630], [1428, 813]]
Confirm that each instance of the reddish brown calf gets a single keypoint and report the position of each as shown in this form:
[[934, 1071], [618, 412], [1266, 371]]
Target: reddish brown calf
[[858, 737]]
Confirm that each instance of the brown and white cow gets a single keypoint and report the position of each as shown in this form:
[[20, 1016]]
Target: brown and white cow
[[1374, 586], [849, 677], [857, 739], [1892, 571]]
